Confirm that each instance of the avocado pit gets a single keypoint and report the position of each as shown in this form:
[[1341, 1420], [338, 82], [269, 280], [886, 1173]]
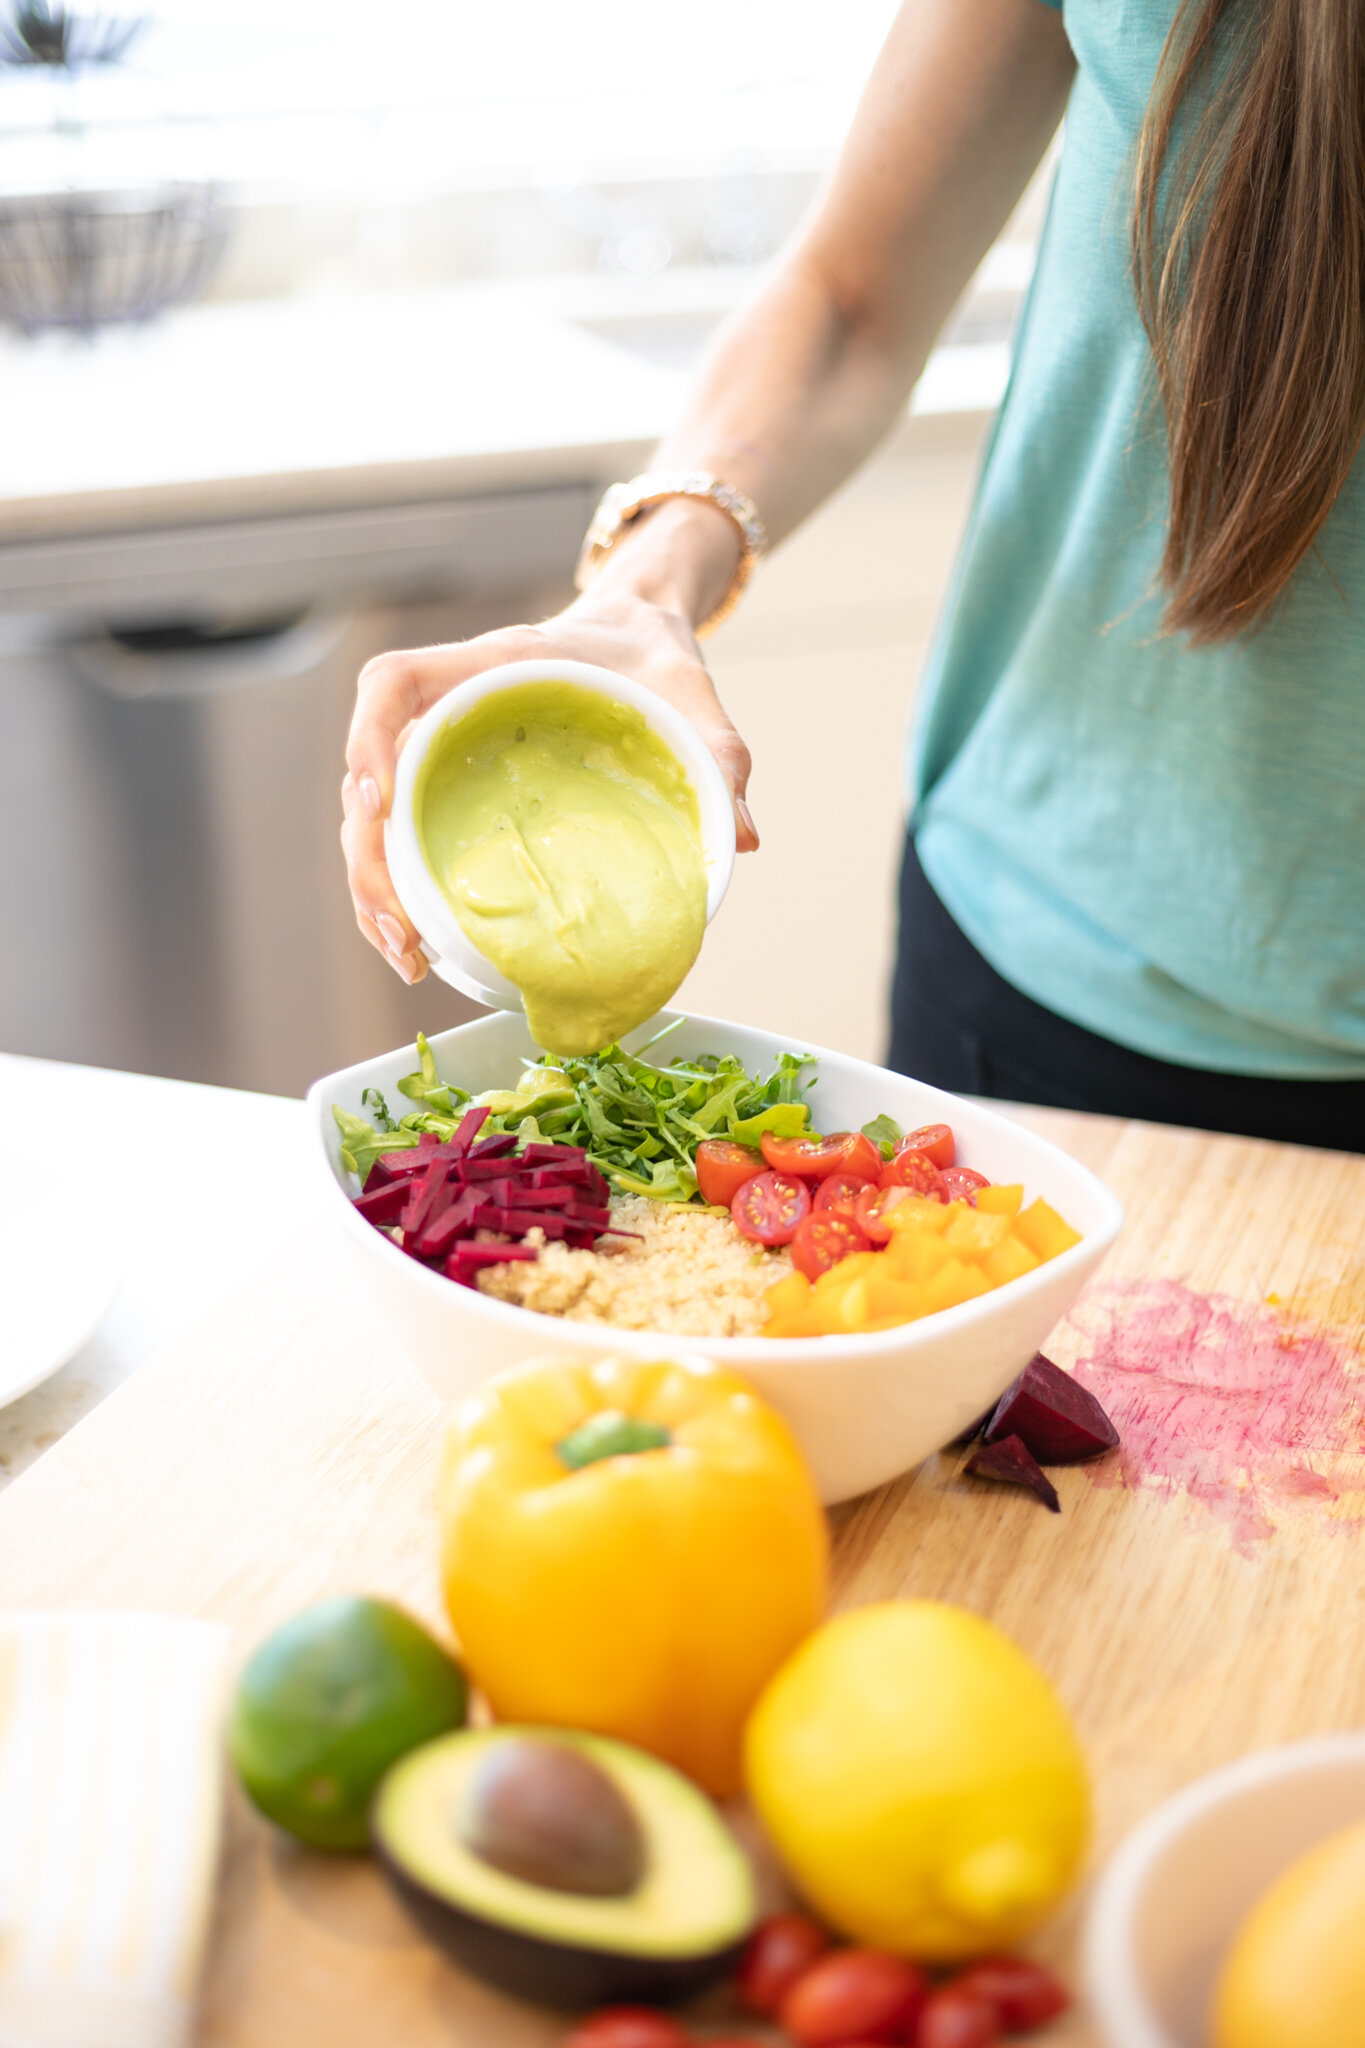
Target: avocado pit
[[550, 1816]]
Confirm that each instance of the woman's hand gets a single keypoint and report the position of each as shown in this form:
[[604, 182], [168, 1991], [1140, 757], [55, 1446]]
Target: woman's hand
[[609, 626]]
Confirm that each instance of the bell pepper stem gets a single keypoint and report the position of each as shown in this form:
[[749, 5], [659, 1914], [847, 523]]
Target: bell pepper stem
[[610, 1434]]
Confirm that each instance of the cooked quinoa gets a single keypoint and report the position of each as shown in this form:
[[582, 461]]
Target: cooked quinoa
[[687, 1273]]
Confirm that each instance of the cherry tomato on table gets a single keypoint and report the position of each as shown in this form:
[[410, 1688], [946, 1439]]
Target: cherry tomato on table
[[628, 2026], [854, 1995], [956, 2018], [821, 1241], [1023, 1993], [722, 1169], [935, 1141], [960, 1183], [814, 1158], [781, 1949], [769, 1207]]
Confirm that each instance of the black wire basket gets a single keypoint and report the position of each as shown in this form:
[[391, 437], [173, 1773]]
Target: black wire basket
[[84, 260]]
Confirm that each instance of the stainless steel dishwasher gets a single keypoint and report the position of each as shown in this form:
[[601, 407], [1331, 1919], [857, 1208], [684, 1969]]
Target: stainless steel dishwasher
[[173, 710]]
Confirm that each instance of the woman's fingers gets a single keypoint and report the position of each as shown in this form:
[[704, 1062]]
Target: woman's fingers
[[394, 689], [377, 910]]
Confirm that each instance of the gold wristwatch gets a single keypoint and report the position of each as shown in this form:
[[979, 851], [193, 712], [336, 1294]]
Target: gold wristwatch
[[624, 503]]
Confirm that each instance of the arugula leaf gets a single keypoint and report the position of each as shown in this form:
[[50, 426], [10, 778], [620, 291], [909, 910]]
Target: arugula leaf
[[783, 1119], [427, 1085], [361, 1143], [885, 1132], [370, 1098]]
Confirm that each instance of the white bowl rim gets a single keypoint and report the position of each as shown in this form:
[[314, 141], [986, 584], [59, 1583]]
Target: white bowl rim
[[793, 1350], [1115, 1988], [445, 941]]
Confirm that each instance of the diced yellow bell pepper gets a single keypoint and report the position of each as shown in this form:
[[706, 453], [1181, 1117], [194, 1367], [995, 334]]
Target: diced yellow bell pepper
[[788, 1295], [916, 1254], [795, 1322], [843, 1312], [1001, 1201], [900, 1300], [837, 1278], [922, 1212], [954, 1283], [971, 1236], [1010, 1260], [1044, 1231]]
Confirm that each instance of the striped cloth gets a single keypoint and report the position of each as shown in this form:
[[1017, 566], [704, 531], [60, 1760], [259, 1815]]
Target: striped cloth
[[110, 1798]]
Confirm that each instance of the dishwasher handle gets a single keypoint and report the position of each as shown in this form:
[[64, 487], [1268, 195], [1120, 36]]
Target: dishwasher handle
[[177, 659]]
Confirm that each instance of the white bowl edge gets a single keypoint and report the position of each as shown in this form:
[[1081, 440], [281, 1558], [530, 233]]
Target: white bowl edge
[[1117, 1990]]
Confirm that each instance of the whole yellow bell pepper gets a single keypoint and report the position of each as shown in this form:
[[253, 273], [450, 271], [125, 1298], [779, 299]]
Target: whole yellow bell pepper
[[630, 1547]]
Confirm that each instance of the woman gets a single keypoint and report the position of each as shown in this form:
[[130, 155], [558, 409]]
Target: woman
[[1136, 866]]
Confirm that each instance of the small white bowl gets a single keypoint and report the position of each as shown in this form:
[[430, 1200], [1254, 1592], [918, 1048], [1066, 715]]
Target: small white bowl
[[1177, 1889], [453, 955], [863, 1408]]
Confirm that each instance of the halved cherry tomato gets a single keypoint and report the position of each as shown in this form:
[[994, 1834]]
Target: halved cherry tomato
[[781, 1949], [837, 1194], [814, 1158], [934, 1140], [960, 1184], [821, 1241], [722, 1169], [872, 1210], [915, 1170], [769, 1206]]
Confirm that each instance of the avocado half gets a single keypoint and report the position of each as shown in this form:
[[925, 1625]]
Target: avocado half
[[680, 1930]]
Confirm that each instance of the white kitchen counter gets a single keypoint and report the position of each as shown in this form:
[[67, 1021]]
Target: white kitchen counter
[[201, 1185], [290, 405]]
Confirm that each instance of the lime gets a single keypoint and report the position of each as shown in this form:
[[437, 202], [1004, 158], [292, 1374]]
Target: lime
[[327, 1703], [920, 1781], [1295, 1975]]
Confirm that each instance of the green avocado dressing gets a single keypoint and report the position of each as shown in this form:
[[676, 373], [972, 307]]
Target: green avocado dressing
[[566, 838]]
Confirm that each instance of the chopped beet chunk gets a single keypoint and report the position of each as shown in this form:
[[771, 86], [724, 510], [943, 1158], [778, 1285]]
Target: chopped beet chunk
[[1012, 1461], [1054, 1416]]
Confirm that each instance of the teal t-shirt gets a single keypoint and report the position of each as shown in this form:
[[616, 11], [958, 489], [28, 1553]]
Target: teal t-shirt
[[1164, 844]]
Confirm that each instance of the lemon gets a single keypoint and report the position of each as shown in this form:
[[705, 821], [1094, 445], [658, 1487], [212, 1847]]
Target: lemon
[[920, 1780], [1295, 1975], [327, 1703]]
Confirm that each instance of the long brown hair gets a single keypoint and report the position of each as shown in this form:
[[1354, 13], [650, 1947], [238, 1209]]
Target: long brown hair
[[1248, 245]]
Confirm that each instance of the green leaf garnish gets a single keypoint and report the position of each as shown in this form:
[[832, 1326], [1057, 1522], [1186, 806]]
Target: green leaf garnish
[[885, 1132]]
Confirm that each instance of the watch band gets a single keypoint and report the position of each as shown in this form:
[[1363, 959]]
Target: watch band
[[623, 503]]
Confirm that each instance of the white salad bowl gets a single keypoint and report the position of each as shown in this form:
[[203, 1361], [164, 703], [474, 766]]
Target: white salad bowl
[[453, 955], [1176, 1891], [864, 1408]]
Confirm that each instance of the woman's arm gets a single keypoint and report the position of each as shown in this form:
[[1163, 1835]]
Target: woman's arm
[[960, 107]]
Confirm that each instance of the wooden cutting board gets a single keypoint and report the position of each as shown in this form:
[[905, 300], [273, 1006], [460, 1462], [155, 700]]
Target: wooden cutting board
[[1203, 1599]]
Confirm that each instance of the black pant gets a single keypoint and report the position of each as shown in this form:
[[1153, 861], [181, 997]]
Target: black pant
[[957, 1024]]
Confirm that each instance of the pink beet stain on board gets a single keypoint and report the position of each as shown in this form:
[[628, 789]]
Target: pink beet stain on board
[[1241, 1405]]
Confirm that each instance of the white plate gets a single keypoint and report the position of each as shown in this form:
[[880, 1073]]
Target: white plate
[[56, 1287]]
